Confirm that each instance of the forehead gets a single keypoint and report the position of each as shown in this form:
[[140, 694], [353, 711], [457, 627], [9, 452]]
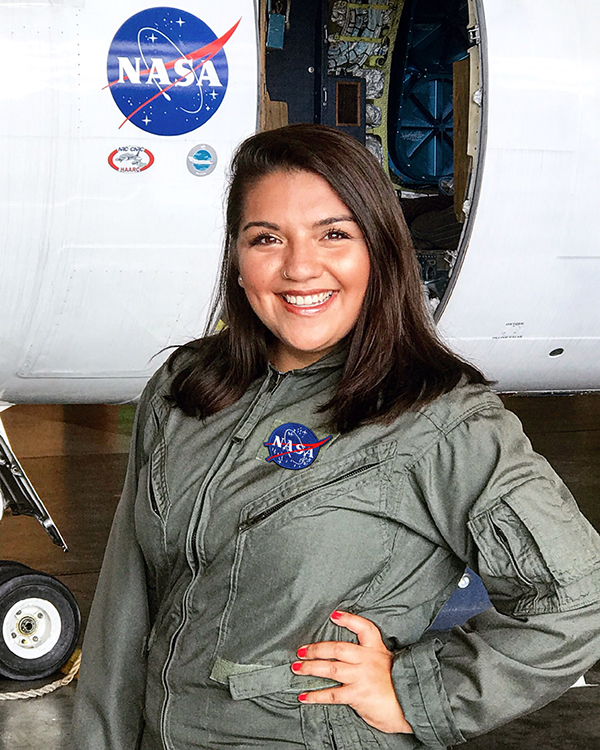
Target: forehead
[[296, 193]]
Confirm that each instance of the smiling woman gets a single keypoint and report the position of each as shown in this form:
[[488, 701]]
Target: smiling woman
[[304, 265], [305, 489], [333, 201]]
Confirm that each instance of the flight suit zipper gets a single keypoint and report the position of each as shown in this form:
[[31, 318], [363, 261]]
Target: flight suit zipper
[[332, 741], [195, 564], [259, 517]]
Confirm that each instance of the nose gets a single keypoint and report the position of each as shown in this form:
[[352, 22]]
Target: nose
[[301, 260]]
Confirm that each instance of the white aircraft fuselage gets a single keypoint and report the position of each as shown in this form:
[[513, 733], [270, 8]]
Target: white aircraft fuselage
[[118, 123]]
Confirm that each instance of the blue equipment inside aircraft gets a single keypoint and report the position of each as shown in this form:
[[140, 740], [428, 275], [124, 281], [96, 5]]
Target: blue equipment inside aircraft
[[431, 38]]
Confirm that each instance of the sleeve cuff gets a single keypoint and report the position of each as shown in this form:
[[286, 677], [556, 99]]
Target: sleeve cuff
[[417, 679]]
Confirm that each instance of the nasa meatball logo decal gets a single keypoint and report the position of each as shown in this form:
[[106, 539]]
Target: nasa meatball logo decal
[[167, 71], [294, 446]]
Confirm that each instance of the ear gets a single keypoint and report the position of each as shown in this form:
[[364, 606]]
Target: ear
[[241, 281]]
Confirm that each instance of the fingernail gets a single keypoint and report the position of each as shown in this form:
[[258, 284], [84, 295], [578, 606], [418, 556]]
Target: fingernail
[[336, 615], [296, 666], [302, 696], [302, 651]]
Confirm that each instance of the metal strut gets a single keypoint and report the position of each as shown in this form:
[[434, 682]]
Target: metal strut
[[19, 495]]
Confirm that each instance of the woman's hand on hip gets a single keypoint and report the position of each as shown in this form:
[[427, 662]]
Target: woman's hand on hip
[[364, 671]]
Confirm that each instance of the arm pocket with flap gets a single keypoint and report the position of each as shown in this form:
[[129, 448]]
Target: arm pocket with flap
[[536, 550]]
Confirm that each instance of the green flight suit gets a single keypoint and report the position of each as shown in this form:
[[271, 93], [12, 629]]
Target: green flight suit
[[221, 563]]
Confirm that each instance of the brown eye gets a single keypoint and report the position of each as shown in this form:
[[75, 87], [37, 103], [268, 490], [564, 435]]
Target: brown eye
[[263, 239], [337, 234]]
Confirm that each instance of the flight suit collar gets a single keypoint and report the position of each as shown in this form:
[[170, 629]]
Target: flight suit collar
[[332, 360]]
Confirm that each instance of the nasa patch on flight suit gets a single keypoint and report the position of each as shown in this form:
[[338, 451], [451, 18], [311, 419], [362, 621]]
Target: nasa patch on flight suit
[[292, 445]]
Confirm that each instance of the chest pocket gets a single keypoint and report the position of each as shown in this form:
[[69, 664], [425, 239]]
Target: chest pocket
[[158, 491], [328, 488], [151, 512], [312, 545]]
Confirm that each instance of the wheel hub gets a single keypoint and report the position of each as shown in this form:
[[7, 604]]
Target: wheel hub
[[31, 628], [27, 625]]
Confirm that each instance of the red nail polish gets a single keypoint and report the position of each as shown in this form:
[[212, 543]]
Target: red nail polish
[[302, 696], [296, 666], [302, 651], [336, 615]]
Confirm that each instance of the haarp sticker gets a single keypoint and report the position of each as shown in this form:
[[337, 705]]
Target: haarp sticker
[[294, 446], [167, 70]]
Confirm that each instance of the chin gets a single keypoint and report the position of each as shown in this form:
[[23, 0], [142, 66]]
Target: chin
[[309, 349]]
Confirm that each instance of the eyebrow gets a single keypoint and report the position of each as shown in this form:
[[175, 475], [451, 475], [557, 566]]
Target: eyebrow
[[334, 220], [266, 224], [320, 223]]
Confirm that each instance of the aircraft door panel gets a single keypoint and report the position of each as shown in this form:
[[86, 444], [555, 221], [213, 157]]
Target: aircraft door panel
[[528, 282]]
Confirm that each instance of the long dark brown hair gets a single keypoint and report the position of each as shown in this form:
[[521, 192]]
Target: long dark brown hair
[[395, 359]]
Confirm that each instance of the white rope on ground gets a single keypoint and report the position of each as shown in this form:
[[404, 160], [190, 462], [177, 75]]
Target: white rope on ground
[[70, 676]]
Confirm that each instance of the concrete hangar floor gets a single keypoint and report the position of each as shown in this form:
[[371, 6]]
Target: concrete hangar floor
[[76, 457]]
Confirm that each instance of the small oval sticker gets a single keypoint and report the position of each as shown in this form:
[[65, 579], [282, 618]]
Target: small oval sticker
[[131, 159]]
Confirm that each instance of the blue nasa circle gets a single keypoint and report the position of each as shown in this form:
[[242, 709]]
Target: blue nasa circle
[[159, 75], [294, 446]]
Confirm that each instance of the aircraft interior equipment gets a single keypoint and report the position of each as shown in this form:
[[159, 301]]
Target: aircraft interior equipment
[[421, 141]]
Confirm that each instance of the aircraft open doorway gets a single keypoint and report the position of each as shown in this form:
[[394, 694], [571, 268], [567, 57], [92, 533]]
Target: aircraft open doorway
[[406, 78]]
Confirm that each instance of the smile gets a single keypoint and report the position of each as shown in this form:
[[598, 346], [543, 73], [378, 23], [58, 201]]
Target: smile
[[308, 300]]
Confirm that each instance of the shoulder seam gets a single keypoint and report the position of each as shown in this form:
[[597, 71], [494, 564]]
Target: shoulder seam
[[443, 432]]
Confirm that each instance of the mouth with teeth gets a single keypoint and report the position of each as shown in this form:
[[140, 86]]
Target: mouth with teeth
[[307, 300]]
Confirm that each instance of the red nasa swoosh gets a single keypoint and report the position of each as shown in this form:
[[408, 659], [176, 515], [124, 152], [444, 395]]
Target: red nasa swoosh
[[300, 447], [202, 53]]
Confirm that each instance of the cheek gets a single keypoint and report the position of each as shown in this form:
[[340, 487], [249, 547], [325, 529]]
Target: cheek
[[257, 272], [357, 273], [366, 274], [256, 285]]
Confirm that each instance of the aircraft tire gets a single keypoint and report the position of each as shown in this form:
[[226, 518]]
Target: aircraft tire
[[40, 623], [8, 569]]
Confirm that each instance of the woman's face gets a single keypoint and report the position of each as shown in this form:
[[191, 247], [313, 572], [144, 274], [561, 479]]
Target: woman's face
[[304, 265]]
